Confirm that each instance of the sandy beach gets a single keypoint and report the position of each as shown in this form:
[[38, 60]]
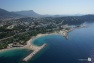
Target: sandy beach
[[28, 45], [29, 42]]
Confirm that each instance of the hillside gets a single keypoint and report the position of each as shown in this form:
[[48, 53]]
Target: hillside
[[29, 13], [7, 14]]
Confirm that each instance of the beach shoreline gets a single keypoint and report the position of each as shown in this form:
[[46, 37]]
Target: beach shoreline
[[30, 46], [27, 46], [29, 42]]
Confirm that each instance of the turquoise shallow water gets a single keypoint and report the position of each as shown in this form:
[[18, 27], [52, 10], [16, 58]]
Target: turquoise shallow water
[[41, 40], [13, 56], [80, 45], [59, 50]]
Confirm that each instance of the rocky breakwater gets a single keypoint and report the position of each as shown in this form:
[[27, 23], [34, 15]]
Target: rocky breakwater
[[35, 50]]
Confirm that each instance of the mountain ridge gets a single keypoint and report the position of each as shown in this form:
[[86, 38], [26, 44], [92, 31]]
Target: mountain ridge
[[7, 14], [28, 13]]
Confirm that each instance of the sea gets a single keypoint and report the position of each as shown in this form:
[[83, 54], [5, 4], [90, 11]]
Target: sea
[[80, 45]]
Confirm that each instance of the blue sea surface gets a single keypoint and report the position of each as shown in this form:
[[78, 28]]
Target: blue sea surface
[[13, 56], [80, 45]]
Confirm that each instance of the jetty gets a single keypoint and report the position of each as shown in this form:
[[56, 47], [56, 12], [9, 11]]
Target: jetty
[[35, 50]]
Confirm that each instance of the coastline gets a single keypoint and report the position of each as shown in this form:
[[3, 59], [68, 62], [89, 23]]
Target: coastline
[[64, 33], [27, 46], [30, 46], [35, 48], [2, 50]]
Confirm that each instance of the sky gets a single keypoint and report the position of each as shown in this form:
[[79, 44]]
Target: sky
[[52, 7]]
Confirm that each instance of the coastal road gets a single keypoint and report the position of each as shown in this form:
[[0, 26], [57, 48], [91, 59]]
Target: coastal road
[[13, 35]]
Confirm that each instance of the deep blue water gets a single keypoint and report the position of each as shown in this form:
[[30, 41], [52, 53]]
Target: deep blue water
[[80, 45]]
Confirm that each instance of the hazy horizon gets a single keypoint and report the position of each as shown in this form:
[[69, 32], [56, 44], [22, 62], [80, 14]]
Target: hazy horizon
[[50, 7]]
